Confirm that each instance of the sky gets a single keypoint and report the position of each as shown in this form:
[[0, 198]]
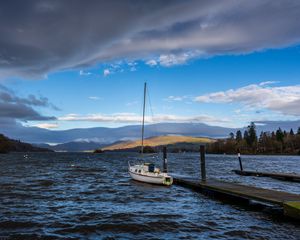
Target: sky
[[80, 65]]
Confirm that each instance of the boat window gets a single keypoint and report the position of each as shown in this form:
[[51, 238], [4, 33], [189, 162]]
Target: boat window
[[135, 170], [139, 171]]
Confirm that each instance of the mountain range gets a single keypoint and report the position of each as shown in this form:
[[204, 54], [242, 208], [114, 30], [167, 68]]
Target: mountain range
[[109, 135], [90, 138]]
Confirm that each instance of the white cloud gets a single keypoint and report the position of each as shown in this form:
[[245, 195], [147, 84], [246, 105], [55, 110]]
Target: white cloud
[[175, 98], [285, 99], [168, 60], [83, 73], [151, 62], [94, 98], [132, 69], [171, 59], [132, 66], [133, 103], [115, 67], [88, 140], [134, 118], [119, 67], [268, 83], [106, 72], [46, 125]]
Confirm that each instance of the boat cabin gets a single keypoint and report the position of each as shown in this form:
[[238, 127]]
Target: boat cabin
[[150, 167]]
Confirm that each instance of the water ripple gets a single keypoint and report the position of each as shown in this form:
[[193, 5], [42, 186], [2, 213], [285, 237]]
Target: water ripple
[[87, 196]]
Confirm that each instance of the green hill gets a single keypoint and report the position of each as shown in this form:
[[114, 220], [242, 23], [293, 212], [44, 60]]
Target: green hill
[[9, 145]]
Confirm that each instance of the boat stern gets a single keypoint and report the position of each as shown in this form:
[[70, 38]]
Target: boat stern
[[168, 180]]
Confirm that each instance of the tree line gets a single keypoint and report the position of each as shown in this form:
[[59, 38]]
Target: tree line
[[9, 145], [249, 142]]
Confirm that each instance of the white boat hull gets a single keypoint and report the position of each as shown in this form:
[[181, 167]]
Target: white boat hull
[[141, 173], [147, 179]]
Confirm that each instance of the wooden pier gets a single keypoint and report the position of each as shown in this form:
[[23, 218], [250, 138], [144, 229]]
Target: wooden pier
[[288, 203], [278, 176]]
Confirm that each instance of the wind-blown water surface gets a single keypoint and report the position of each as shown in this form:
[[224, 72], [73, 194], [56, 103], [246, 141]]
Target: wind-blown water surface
[[81, 195]]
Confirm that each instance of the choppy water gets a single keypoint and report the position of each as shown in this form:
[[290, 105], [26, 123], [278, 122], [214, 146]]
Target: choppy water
[[79, 195]]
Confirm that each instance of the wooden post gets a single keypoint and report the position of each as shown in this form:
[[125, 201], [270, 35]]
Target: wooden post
[[165, 160], [240, 160], [202, 160]]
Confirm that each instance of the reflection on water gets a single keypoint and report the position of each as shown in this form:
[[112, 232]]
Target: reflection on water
[[80, 195]]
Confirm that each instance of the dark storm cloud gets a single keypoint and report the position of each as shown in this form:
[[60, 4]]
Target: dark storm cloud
[[21, 111], [9, 97], [15, 108], [42, 36]]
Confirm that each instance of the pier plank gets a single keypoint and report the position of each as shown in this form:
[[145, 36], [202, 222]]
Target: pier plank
[[246, 192]]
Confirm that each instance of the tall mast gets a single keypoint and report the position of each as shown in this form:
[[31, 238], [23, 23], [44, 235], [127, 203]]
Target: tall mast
[[143, 124]]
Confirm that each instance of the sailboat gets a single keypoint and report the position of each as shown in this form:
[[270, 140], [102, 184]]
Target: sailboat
[[147, 172]]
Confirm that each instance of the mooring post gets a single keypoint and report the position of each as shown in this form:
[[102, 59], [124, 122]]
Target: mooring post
[[240, 160], [165, 160], [202, 160]]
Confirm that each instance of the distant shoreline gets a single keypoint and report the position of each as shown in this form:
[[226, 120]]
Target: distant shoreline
[[183, 152], [132, 152]]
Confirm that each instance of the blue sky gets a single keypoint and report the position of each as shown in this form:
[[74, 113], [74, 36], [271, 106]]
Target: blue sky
[[172, 89], [212, 62]]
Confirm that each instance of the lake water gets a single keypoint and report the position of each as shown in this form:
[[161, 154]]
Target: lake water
[[87, 196]]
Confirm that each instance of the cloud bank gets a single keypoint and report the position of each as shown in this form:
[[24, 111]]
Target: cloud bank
[[283, 99], [46, 125], [134, 118], [40, 36]]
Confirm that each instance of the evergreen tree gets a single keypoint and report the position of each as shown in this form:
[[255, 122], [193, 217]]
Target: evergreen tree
[[279, 135], [246, 136], [252, 139], [268, 143], [238, 136], [261, 137], [231, 135], [292, 132], [273, 136], [279, 138], [298, 132]]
